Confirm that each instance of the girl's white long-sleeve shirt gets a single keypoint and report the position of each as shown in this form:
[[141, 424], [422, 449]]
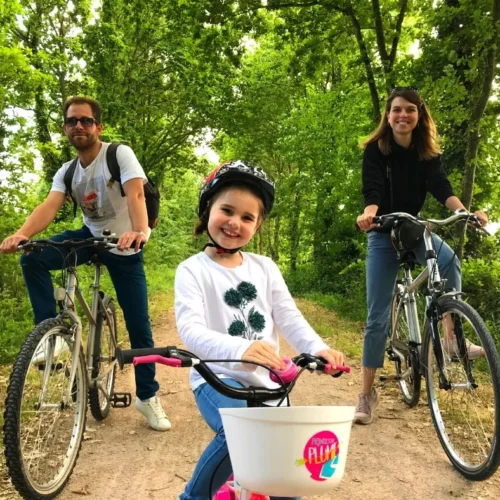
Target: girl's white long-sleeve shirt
[[221, 311]]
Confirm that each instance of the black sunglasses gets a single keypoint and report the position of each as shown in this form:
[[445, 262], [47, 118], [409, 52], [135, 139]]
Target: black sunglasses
[[85, 121], [412, 88]]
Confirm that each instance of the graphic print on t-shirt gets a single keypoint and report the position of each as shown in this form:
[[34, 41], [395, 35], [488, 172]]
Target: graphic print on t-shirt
[[94, 199], [248, 326]]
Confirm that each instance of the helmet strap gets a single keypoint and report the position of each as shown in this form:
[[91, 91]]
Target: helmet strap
[[218, 249]]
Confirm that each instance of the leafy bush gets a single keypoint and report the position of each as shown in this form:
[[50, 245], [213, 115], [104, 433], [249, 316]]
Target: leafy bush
[[481, 283]]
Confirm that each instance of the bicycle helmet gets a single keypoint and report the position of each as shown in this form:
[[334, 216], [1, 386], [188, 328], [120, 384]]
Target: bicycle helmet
[[238, 172]]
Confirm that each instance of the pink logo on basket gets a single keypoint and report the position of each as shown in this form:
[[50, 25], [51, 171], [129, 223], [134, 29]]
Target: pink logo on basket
[[321, 455]]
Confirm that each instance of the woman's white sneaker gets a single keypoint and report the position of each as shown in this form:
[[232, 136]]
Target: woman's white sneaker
[[153, 411]]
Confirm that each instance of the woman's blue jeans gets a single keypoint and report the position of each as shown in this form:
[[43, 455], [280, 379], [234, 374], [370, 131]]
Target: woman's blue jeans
[[129, 280], [214, 461], [381, 272]]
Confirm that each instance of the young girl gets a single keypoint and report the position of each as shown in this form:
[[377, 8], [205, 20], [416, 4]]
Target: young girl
[[227, 303], [400, 165]]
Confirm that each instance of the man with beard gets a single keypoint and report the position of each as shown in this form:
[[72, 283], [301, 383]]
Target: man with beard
[[103, 207]]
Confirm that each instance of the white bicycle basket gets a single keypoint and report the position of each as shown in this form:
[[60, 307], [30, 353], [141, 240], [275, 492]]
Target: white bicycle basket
[[288, 451]]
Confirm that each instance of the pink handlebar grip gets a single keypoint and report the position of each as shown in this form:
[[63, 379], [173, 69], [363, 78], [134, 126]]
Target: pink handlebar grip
[[155, 358], [288, 374]]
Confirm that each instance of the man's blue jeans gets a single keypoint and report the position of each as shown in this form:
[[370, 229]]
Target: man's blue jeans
[[214, 461], [129, 280], [381, 272]]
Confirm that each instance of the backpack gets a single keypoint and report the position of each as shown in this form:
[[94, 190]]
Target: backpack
[[151, 192]]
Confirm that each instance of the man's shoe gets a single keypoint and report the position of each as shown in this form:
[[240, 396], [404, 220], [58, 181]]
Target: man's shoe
[[366, 405], [153, 411], [41, 352]]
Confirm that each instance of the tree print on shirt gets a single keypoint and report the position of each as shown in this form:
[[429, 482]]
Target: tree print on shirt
[[247, 326]]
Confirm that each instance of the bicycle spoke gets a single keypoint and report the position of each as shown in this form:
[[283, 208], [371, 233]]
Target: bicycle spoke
[[48, 429], [466, 415]]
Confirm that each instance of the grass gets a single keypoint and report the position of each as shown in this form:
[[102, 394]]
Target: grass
[[341, 334]]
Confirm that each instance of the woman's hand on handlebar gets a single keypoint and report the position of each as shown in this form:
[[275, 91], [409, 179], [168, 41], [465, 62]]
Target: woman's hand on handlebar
[[365, 220], [263, 352], [483, 218], [334, 358], [11, 244]]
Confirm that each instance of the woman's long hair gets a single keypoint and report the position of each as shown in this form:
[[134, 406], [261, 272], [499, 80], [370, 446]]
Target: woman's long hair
[[424, 135]]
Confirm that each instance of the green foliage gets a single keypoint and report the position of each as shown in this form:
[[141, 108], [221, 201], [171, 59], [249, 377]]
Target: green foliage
[[293, 89], [481, 283]]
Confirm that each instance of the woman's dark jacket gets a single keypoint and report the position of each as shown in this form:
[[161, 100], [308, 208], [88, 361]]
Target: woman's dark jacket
[[399, 182]]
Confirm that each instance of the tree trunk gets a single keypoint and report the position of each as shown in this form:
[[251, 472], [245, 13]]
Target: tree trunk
[[295, 232], [484, 84]]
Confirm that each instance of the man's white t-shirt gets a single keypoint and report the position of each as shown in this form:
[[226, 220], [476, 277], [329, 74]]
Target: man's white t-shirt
[[103, 205]]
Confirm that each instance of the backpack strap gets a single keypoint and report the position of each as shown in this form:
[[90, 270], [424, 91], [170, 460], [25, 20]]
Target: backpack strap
[[68, 181], [113, 166]]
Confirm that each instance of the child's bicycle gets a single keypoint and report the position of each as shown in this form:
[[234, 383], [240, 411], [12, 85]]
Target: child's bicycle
[[463, 386], [52, 381], [277, 450]]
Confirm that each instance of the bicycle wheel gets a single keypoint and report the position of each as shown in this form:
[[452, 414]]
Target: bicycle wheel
[[43, 433], [104, 364], [466, 415], [404, 355]]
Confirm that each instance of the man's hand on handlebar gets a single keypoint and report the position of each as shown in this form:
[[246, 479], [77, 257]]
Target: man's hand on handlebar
[[136, 238], [334, 358], [11, 244], [263, 352]]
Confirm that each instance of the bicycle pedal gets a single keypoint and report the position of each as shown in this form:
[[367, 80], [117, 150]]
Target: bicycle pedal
[[390, 378], [54, 366], [121, 399]]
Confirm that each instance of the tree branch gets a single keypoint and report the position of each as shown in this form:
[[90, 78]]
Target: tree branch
[[397, 34], [379, 30], [365, 56]]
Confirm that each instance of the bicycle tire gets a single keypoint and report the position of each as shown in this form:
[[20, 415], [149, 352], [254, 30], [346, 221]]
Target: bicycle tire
[[410, 386], [42, 444], [105, 343], [472, 447]]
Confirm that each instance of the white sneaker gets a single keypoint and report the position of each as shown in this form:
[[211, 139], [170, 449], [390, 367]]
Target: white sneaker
[[42, 350], [153, 411]]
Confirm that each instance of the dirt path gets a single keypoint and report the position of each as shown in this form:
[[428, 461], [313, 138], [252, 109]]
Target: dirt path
[[396, 457]]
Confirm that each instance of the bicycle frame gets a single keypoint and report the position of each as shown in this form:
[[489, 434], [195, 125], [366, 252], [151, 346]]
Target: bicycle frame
[[435, 289], [69, 310]]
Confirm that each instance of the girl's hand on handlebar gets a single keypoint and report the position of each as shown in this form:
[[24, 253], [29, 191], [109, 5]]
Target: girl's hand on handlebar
[[334, 358], [10, 244], [365, 222], [263, 352]]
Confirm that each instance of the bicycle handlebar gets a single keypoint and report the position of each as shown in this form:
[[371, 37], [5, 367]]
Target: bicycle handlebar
[[172, 356], [460, 215], [99, 242]]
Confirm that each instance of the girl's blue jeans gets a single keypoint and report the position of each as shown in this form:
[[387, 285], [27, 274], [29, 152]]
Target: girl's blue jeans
[[381, 272], [214, 461], [129, 281]]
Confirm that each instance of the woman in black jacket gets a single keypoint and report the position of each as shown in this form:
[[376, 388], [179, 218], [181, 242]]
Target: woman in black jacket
[[401, 164]]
